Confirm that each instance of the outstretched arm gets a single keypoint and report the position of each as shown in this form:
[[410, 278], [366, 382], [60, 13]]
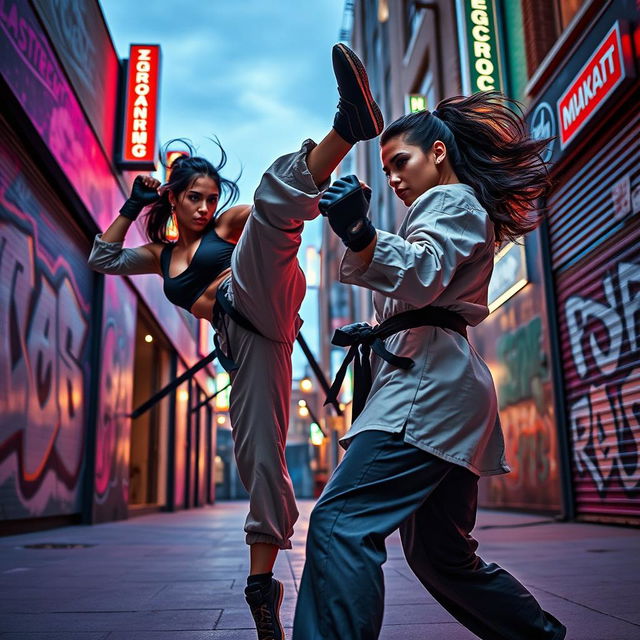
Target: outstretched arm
[[107, 254]]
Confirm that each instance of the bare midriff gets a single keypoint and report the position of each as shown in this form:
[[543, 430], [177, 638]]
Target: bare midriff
[[203, 306]]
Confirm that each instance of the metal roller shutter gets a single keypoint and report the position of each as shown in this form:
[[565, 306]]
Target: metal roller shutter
[[599, 305], [582, 211]]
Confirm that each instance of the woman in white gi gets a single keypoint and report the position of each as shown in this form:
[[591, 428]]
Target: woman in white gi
[[469, 175], [239, 270]]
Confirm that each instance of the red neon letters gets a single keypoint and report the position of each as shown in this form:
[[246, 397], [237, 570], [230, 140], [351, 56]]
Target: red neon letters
[[141, 107]]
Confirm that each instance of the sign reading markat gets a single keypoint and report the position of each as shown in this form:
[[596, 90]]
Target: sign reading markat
[[584, 86], [141, 108], [592, 86], [479, 46]]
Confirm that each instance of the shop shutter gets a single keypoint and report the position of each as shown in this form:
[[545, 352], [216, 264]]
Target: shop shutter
[[599, 309], [581, 210]]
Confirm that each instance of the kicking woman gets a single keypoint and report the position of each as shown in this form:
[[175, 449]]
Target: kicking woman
[[239, 270], [469, 175]]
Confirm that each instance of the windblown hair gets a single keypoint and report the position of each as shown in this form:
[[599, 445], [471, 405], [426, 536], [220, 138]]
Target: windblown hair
[[185, 170], [491, 150]]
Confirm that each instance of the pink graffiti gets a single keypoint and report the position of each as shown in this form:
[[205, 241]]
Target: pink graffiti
[[116, 384], [43, 330], [605, 420]]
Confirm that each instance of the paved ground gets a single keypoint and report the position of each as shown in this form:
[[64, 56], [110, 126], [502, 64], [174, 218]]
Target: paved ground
[[180, 576]]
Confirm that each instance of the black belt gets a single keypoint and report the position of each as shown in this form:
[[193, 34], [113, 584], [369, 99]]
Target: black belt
[[362, 338], [223, 306]]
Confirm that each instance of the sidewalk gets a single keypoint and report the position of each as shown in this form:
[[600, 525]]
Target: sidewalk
[[180, 576]]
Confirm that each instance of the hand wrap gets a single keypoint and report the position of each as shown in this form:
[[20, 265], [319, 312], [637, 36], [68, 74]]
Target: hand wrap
[[346, 203], [141, 197]]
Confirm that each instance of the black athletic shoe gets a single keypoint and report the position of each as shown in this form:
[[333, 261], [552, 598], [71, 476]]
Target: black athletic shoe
[[264, 603], [358, 117]]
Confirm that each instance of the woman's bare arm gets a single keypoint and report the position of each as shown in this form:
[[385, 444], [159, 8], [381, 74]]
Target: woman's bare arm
[[108, 255], [230, 224]]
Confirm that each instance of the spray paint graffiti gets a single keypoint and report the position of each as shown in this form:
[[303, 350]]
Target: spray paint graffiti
[[605, 351], [113, 427], [32, 72], [526, 365], [526, 414], [44, 326]]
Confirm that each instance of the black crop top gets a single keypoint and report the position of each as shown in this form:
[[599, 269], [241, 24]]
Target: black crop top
[[211, 258]]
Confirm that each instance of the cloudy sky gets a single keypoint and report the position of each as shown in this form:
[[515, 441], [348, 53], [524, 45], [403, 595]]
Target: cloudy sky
[[256, 74]]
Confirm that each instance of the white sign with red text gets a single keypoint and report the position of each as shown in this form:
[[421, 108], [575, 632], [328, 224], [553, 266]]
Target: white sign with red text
[[592, 86]]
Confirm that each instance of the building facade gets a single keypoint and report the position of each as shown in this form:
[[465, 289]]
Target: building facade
[[79, 351]]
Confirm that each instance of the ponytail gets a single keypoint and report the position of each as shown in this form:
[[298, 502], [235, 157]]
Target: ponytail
[[490, 150]]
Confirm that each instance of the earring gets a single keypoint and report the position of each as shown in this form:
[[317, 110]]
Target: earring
[[171, 230]]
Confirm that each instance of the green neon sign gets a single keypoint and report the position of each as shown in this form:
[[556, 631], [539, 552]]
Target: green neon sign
[[482, 45], [417, 102]]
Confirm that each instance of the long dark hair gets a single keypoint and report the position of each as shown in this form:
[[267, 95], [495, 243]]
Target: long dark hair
[[185, 169], [491, 150]]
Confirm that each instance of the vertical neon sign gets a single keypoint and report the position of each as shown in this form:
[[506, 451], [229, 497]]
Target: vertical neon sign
[[479, 46], [141, 107]]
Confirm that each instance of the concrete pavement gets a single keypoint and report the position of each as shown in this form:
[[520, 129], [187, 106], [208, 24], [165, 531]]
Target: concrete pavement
[[180, 576]]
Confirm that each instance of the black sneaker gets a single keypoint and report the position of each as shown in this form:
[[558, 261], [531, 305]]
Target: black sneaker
[[264, 603], [358, 117]]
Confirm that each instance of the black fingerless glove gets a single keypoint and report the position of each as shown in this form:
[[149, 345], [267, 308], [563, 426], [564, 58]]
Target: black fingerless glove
[[141, 197], [346, 203]]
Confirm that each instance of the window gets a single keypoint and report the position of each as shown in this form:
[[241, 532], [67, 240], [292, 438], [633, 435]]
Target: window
[[566, 10]]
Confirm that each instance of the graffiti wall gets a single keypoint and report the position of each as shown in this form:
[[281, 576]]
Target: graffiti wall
[[33, 73], [45, 290], [31, 69], [113, 427], [514, 342], [599, 302], [81, 40]]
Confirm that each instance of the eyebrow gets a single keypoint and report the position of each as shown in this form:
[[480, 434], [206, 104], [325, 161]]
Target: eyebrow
[[199, 193]]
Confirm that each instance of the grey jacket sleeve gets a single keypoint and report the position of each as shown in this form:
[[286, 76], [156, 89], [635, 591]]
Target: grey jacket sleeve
[[110, 257], [415, 266]]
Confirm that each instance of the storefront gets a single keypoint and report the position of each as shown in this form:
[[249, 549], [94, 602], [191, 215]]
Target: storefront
[[79, 350], [589, 102]]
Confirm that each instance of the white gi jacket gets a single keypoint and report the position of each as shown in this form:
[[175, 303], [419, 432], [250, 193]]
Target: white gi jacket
[[446, 403]]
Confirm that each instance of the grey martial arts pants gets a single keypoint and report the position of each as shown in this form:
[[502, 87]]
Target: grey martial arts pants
[[384, 483], [267, 287]]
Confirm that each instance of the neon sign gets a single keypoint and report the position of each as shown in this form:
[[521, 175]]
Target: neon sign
[[141, 107], [479, 46], [416, 102]]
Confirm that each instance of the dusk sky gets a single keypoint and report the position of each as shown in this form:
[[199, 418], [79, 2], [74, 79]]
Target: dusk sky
[[255, 74]]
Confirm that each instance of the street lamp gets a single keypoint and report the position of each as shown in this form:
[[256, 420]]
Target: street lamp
[[306, 385], [303, 410]]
